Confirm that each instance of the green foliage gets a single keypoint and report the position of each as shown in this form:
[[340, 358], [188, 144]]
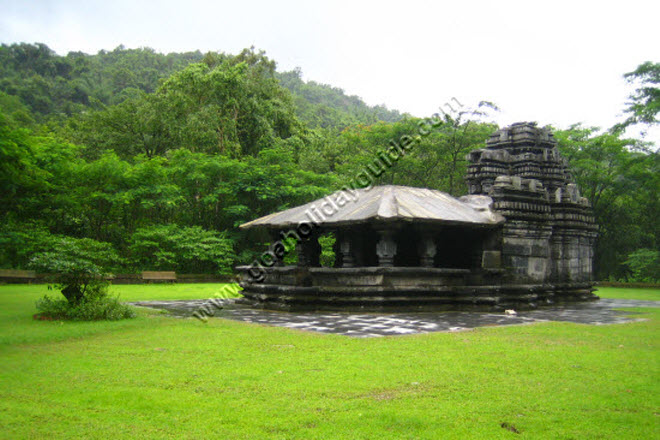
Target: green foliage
[[19, 242], [232, 109], [620, 177], [436, 159], [235, 108], [644, 265], [15, 111], [327, 242], [94, 306], [18, 171], [103, 146], [76, 266], [290, 255], [644, 103], [137, 125], [54, 87], [327, 107], [182, 249], [35, 174]]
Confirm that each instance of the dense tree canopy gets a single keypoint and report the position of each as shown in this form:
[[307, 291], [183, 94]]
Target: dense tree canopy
[[621, 178], [159, 158], [53, 87]]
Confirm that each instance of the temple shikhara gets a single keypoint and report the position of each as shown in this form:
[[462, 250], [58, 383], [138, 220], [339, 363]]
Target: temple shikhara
[[522, 237]]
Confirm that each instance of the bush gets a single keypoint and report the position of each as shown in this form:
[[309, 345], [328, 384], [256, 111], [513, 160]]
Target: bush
[[76, 266], [95, 305]]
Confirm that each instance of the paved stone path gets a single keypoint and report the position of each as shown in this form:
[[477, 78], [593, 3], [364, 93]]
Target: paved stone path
[[386, 324]]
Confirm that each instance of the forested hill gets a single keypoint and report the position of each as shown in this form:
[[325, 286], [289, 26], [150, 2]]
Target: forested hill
[[53, 86], [154, 160], [324, 106]]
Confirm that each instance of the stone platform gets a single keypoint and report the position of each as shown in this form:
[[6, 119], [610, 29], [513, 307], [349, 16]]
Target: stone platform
[[387, 289], [366, 325]]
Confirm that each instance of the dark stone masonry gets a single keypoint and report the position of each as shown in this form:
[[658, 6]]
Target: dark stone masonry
[[523, 237]]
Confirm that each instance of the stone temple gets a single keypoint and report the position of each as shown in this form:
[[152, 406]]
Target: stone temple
[[523, 237]]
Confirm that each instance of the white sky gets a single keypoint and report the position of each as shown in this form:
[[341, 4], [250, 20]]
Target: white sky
[[556, 62]]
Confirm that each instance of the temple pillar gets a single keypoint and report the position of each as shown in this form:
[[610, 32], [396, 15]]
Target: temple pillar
[[346, 250], [386, 248], [427, 249], [277, 247], [349, 248]]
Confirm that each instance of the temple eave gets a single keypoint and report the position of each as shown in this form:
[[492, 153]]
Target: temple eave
[[376, 221]]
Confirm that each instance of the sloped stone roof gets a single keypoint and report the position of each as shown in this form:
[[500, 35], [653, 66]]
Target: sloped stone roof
[[385, 204]]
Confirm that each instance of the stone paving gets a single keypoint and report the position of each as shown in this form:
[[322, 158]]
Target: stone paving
[[387, 324]]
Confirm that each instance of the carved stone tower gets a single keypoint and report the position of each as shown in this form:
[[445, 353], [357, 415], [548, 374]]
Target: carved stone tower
[[549, 233]]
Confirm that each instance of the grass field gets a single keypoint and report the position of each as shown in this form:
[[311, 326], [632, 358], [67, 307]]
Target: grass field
[[160, 377], [626, 293]]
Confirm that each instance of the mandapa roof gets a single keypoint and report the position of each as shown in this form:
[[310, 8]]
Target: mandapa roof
[[385, 204]]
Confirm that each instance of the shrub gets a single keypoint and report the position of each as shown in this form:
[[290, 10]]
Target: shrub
[[96, 305], [77, 267]]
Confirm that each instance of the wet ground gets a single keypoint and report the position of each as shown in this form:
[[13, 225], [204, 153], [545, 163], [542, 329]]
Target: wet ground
[[387, 324]]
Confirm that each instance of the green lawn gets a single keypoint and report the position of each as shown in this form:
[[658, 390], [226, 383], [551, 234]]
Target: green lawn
[[628, 293], [160, 377], [146, 292]]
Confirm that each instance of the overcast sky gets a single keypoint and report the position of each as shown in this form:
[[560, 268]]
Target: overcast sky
[[558, 62]]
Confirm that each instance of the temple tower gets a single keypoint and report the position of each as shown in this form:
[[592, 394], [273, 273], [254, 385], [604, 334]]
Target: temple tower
[[550, 230]]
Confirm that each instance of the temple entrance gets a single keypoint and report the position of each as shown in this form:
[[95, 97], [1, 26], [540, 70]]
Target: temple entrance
[[407, 254], [459, 248]]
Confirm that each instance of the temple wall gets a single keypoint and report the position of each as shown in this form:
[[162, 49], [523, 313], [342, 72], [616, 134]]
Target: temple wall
[[526, 250]]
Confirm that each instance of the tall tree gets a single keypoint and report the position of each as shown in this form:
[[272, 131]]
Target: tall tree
[[620, 177], [644, 104]]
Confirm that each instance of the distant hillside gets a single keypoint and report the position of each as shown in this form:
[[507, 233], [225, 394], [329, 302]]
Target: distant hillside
[[51, 85], [54, 86], [324, 106]]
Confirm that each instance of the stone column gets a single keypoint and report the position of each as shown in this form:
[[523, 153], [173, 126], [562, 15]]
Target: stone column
[[427, 249], [346, 250], [386, 248], [277, 247]]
